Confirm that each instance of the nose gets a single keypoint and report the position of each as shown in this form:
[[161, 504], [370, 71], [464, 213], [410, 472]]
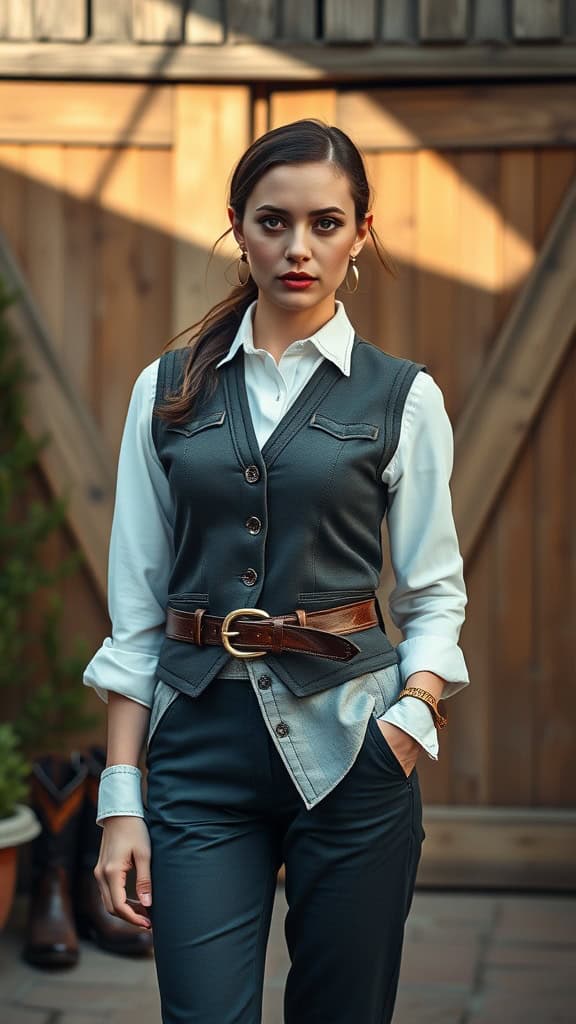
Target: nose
[[297, 248]]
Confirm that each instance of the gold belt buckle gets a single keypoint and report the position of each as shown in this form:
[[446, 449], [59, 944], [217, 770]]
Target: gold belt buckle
[[256, 613]]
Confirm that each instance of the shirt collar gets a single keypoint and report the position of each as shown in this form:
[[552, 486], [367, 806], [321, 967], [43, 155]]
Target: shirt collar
[[333, 340]]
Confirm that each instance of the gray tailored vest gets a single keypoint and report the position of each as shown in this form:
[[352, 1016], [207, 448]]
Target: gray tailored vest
[[294, 525]]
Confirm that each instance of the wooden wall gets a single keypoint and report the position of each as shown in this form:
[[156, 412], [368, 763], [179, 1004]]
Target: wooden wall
[[111, 207], [327, 21]]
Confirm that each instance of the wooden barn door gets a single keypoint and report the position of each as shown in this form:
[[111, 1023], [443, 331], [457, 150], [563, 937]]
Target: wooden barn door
[[476, 199]]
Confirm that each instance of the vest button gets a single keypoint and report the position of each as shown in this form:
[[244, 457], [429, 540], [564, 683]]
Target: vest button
[[282, 729], [253, 524], [264, 682], [249, 577], [252, 474]]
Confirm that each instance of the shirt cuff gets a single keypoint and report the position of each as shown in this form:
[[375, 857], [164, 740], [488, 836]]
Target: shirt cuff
[[438, 654], [130, 673], [119, 792], [414, 717]]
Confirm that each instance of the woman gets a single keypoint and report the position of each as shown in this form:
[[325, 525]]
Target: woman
[[247, 645]]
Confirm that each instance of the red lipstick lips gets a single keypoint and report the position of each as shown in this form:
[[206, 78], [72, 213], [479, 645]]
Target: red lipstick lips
[[297, 282]]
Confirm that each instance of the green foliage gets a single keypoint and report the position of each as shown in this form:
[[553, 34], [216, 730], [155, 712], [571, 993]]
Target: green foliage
[[14, 770], [46, 699]]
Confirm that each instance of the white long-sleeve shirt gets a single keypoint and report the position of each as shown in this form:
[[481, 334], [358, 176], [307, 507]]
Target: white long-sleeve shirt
[[428, 600]]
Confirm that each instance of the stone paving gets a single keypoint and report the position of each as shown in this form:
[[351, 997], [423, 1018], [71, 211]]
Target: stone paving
[[469, 958]]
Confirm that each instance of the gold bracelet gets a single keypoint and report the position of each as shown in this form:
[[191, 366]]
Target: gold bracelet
[[414, 691]]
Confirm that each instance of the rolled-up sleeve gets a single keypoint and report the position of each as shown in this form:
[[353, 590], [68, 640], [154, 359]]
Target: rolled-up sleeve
[[428, 600], [140, 558]]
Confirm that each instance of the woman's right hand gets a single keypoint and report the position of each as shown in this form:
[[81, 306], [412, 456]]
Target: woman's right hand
[[125, 841]]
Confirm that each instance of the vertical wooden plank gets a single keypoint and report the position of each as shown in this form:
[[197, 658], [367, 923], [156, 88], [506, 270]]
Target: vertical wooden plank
[[555, 545], [297, 20], [16, 20], [82, 170], [542, 20], [12, 198], [288, 105], [442, 20], [570, 19], [205, 21], [439, 266], [44, 227], [513, 533], [157, 21], [112, 20], [220, 116], [60, 19], [472, 711], [397, 21], [391, 308], [117, 311], [251, 19], [490, 21], [349, 23], [154, 251], [260, 110], [480, 238], [518, 252]]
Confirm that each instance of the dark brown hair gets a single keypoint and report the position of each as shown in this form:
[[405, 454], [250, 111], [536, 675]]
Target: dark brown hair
[[306, 141]]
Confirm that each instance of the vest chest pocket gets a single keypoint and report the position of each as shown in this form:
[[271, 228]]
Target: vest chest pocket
[[214, 419], [344, 431]]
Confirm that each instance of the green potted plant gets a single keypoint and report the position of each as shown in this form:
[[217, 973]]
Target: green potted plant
[[18, 823], [42, 700]]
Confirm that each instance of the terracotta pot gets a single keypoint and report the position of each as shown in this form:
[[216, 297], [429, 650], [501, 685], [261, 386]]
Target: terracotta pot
[[19, 828]]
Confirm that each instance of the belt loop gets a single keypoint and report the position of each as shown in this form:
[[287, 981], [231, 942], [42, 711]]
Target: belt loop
[[301, 616], [198, 613]]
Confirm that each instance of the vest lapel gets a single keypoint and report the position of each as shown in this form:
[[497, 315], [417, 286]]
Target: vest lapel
[[322, 380]]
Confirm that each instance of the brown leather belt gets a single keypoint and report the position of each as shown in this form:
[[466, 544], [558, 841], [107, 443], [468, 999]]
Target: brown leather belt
[[317, 633]]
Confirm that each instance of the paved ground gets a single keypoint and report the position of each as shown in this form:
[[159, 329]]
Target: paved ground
[[468, 959]]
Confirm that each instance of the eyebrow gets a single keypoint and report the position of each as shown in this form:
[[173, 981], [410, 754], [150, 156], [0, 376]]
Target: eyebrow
[[312, 213]]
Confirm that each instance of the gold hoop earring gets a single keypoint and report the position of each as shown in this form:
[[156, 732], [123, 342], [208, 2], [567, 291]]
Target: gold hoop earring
[[243, 270], [355, 275]]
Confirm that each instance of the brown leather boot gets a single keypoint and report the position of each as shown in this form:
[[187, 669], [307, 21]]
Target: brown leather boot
[[92, 919], [56, 795]]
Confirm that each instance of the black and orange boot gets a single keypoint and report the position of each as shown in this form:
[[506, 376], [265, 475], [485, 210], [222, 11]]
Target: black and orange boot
[[57, 789]]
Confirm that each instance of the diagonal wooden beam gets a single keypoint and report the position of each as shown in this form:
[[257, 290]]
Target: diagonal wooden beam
[[530, 349], [528, 352], [75, 461]]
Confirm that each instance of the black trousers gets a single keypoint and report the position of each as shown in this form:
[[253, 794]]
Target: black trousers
[[223, 815]]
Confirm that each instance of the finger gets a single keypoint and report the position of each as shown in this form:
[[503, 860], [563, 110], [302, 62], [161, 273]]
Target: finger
[[143, 881]]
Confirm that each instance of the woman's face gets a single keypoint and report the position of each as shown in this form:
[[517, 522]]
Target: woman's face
[[300, 218]]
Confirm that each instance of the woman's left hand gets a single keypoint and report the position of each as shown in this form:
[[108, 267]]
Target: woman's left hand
[[404, 747]]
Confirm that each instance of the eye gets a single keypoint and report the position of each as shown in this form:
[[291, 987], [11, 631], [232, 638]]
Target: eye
[[330, 221], [265, 221]]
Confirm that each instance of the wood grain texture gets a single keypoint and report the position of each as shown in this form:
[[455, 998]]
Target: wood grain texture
[[16, 19], [297, 20], [505, 116], [89, 113], [297, 62], [75, 462], [542, 20], [61, 19], [220, 116], [205, 21], [490, 21], [398, 21], [442, 20], [350, 22], [250, 19], [529, 350], [157, 21], [112, 20]]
